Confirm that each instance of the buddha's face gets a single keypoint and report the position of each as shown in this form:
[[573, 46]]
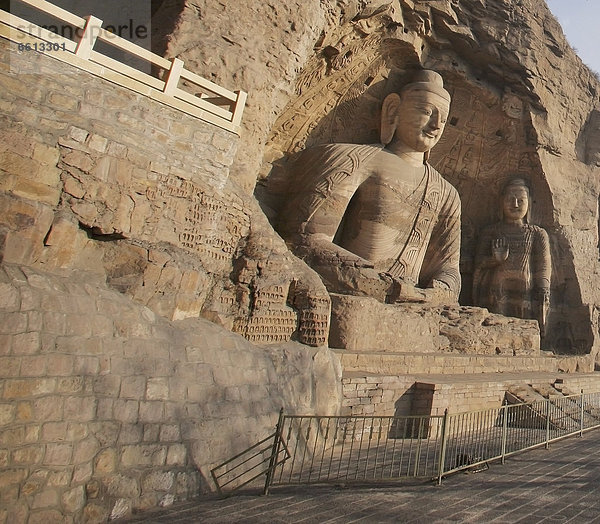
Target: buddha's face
[[421, 119], [515, 203]]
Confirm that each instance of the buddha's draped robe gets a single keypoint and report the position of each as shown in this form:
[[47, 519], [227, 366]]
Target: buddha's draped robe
[[406, 229]]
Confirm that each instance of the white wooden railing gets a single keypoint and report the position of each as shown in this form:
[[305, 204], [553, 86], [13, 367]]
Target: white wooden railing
[[207, 100]]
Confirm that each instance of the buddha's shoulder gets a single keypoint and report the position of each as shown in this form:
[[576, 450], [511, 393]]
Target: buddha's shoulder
[[326, 157], [345, 150], [537, 231], [446, 187]]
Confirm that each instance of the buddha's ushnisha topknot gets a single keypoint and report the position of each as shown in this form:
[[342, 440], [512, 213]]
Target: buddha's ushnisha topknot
[[427, 80]]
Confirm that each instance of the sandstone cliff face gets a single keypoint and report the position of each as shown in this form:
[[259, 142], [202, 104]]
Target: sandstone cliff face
[[523, 104], [259, 45]]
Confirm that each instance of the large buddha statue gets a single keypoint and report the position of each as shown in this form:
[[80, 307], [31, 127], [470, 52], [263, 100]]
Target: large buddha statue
[[513, 263], [378, 220]]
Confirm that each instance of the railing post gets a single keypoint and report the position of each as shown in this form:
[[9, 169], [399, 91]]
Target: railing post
[[581, 424], [547, 423], [504, 430], [172, 80], [240, 103], [419, 446], [442, 457], [91, 31], [274, 453]]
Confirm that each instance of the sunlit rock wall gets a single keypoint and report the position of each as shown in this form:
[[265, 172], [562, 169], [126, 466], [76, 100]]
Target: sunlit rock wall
[[123, 222]]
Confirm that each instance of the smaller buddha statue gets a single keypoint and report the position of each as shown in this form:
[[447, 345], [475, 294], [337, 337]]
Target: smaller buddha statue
[[512, 263]]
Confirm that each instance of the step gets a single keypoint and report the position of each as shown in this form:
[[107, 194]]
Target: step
[[390, 363], [564, 411]]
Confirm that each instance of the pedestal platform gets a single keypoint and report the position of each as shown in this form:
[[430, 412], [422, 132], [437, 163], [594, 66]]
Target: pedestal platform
[[365, 324]]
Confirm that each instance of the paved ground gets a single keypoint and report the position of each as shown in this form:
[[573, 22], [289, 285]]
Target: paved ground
[[561, 484]]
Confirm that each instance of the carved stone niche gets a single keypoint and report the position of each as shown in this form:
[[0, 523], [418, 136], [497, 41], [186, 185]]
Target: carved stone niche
[[310, 222], [513, 265], [489, 139]]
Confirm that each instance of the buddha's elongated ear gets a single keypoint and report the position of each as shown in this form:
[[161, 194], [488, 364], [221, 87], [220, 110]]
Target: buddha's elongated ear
[[389, 110]]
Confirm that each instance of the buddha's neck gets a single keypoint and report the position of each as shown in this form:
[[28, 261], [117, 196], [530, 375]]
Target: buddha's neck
[[517, 222], [410, 156]]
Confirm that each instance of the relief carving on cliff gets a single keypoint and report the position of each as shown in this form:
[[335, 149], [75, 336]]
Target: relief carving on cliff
[[220, 232], [202, 222], [350, 58], [378, 220], [190, 237], [513, 264]]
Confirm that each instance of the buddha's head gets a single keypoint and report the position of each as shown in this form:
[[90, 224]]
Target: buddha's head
[[416, 116], [515, 201]]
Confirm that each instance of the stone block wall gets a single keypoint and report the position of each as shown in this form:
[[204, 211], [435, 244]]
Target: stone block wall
[[92, 150], [434, 398], [377, 395], [408, 395], [575, 384], [403, 395], [106, 407]]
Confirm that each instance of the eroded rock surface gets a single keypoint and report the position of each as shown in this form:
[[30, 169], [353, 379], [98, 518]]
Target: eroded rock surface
[[523, 105], [108, 407]]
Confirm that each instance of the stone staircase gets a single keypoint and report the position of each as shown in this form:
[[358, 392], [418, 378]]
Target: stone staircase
[[565, 408]]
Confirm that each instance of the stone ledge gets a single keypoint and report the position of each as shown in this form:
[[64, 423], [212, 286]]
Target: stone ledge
[[388, 363]]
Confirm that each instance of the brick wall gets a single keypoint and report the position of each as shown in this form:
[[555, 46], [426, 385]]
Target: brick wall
[[402, 395], [575, 384], [105, 407], [377, 395]]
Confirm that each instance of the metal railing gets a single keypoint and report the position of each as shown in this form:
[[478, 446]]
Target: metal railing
[[367, 449], [358, 449], [257, 460], [495, 434], [200, 97]]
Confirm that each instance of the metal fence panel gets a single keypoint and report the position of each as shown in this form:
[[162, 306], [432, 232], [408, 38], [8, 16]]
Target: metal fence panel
[[359, 449], [345, 449]]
